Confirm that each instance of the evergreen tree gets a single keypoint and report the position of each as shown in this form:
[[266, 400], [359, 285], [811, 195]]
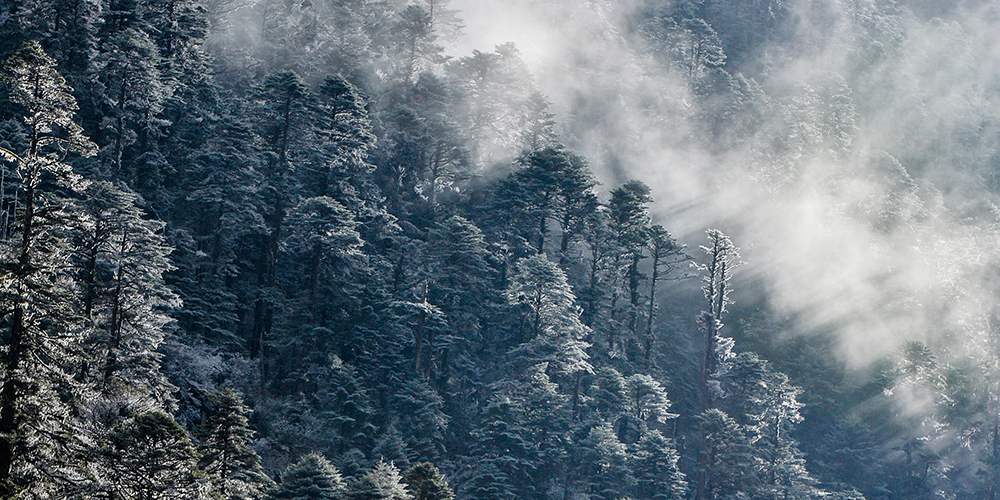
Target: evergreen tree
[[609, 394], [766, 406], [225, 453], [601, 275], [347, 131], [12, 29], [462, 278], [691, 44], [604, 468], [553, 185], [488, 482], [549, 328], [180, 27], [121, 259], [425, 422], [506, 455], [320, 401], [323, 246], [284, 107], [390, 446], [133, 94], [540, 130], [426, 482], [666, 255], [381, 483], [498, 107], [723, 256], [427, 154], [629, 221], [414, 42], [525, 432], [727, 457], [66, 29], [655, 465], [311, 478], [149, 456], [646, 399], [38, 300]]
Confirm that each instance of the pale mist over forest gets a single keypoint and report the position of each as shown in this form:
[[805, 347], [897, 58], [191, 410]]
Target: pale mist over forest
[[499, 250]]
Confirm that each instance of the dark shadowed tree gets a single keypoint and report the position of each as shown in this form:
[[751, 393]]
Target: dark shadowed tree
[[224, 443], [149, 456], [629, 221], [426, 482], [553, 185]]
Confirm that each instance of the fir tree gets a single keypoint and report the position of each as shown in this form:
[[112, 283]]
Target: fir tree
[[553, 185], [655, 465], [37, 301], [311, 478], [727, 457], [426, 482], [149, 456], [604, 468], [383, 482], [629, 221], [549, 328], [723, 256], [121, 259], [666, 255], [225, 453], [133, 95]]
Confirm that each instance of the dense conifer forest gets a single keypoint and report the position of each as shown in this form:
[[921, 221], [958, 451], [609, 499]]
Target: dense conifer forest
[[499, 250]]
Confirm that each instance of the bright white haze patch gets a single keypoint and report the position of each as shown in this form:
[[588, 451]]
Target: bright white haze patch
[[861, 196]]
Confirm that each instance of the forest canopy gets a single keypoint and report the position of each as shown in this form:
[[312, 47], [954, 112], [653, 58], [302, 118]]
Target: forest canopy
[[485, 250]]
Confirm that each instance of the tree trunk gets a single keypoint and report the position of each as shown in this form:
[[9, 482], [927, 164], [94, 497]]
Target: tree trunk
[[9, 397], [115, 338], [18, 343], [652, 301]]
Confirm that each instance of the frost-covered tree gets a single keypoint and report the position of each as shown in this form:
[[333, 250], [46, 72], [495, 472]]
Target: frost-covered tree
[[285, 116], [647, 399], [723, 256], [427, 151], [38, 310], [603, 464], [414, 42], [666, 255], [691, 45], [425, 422], [766, 406], [549, 328], [629, 221], [323, 247], [727, 466], [133, 95], [121, 259], [383, 482], [553, 185], [345, 171], [313, 477], [497, 105], [655, 465]]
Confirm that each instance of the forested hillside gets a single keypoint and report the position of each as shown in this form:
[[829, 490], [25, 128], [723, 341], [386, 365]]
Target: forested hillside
[[498, 250]]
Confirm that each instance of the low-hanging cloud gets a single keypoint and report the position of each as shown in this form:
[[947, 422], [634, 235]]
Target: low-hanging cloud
[[861, 194]]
